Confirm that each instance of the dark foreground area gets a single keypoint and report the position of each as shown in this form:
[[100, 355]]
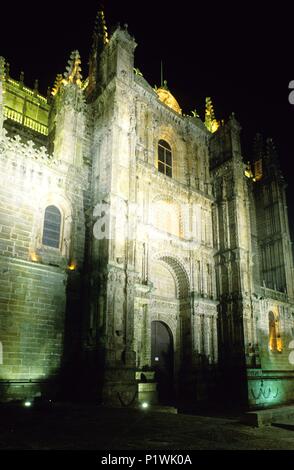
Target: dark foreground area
[[90, 427]]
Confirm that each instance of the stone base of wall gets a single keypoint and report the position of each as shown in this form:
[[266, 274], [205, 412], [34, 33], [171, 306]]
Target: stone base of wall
[[147, 387], [27, 390], [32, 304], [120, 387], [269, 388], [147, 392]]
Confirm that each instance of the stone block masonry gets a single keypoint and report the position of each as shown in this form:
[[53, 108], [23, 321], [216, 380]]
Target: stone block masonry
[[33, 274], [32, 299]]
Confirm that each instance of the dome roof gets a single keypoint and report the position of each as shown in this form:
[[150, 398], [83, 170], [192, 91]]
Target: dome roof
[[167, 98]]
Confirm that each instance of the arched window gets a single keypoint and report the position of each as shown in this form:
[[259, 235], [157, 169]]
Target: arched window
[[165, 158], [52, 227], [275, 341]]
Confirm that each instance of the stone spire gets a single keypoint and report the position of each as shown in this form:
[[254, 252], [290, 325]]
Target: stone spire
[[210, 122], [72, 75], [73, 69], [100, 40], [66, 118], [100, 35], [272, 162], [258, 147], [57, 84]]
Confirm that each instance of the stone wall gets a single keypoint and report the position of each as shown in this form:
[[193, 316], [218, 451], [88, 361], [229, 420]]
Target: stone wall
[[32, 299], [268, 388], [34, 288]]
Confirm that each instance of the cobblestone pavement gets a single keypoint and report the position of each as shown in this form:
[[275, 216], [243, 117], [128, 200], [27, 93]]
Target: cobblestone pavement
[[90, 427]]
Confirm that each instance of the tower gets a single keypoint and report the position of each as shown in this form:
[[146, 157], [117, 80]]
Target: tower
[[110, 323], [66, 120], [233, 258], [274, 244], [273, 281]]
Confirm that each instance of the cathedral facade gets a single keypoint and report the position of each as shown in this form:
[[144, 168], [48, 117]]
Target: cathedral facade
[[141, 258]]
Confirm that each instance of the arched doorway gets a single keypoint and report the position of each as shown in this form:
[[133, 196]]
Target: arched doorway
[[162, 360]]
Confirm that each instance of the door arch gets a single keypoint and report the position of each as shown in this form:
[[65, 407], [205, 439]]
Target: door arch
[[162, 359]]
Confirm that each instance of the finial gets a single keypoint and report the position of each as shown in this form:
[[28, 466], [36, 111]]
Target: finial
[[210, 122], [57, 84], [194, 113], [100, 29], [138, 72], [21, 78], [36, 86], [73, 69]]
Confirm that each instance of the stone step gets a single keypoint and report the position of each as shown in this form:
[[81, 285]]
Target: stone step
[[268, 416], [285, 424]]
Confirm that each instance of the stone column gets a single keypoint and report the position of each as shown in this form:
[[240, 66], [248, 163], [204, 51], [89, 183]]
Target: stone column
[[197, 334], [146, 336], [119, 387], [130, 357], [206, 336]]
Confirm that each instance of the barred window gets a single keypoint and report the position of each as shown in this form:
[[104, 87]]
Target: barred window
[[164, 158], [52, 227]]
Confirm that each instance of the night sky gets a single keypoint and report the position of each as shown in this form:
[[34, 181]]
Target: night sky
[[240, 54]]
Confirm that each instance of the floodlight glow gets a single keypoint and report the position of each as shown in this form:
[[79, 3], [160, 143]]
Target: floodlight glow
[[145, 405], [72, 266], [27, 403]]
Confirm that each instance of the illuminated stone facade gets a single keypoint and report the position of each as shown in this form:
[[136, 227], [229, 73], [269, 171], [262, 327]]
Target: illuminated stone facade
[[161, 222]]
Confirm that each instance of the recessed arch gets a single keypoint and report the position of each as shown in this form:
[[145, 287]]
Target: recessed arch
[[177, 314], [179, 272], [65, 207]]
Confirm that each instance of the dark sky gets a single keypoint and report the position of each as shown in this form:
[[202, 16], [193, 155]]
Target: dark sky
[[241, 54]]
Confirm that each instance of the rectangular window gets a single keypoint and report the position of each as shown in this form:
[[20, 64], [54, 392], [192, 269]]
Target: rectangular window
[[164, 158]]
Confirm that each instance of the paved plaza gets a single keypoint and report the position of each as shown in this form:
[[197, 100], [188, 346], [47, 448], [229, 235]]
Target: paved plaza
[[90, 427]]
